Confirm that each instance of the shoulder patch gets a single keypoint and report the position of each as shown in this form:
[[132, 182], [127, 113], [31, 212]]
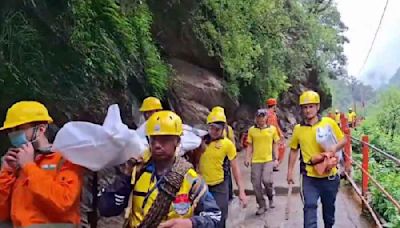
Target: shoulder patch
[[181, 204]]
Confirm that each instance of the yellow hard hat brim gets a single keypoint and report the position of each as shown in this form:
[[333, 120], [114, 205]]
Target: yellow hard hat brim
[[16, 124]]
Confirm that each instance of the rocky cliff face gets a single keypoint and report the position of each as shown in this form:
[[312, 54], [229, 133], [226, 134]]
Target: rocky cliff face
[[198, 84]]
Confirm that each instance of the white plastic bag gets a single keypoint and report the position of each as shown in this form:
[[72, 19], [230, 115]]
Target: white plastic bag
[[326, 138], [236, 214], [141, 131], [96, 147], [190, 139]]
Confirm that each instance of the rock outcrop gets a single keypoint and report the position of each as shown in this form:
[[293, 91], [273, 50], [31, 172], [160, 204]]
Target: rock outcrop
[[195, 90]]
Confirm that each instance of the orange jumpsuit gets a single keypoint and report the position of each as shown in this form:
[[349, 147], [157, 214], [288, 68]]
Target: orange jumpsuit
[[46, 191], [272, 119]]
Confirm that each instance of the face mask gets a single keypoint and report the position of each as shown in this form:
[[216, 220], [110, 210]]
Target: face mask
[[17, 138]]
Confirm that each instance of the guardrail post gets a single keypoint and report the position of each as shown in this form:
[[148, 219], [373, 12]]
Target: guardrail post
[[365, 164], [347, 147], [343, 121], [347, 151]]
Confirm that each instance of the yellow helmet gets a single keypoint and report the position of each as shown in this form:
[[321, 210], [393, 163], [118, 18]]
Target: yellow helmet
[[216, 116], [164, 123], [309, 97], [150, 104], [24, 112], [218, 109]]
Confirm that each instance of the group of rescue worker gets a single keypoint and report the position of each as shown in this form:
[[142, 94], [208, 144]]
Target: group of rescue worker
[[40, 188], [351, 117]]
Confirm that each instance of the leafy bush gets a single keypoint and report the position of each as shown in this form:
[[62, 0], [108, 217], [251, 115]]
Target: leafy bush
[[382, 126], [78, 53], [77, 57], [265, 46]]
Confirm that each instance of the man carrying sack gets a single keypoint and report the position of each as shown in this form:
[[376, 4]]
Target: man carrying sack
[[319, 173], [165, 191]]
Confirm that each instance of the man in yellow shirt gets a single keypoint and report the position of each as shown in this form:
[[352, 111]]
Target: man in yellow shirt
[[351, 116], [262, 153], [228, 133], [315, 185], [219, 150]]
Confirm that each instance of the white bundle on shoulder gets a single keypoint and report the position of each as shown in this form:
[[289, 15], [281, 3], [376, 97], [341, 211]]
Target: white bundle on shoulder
[[190, 139], [99, 146]]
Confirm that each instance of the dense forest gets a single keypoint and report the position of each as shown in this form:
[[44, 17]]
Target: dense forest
[[78, 56], [382, 125]]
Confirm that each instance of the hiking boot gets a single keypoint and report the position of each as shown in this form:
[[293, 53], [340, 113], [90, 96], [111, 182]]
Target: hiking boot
[[271, 204], [261, 210]]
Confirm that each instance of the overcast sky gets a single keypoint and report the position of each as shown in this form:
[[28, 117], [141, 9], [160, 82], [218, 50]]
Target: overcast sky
[[362, 18]]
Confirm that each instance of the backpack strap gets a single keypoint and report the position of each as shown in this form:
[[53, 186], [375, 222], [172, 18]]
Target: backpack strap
[[92, 215], [167, 192]]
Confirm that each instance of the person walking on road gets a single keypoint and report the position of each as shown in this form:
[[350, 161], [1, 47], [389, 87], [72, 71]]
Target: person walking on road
[[228, 133], [352, 117], [262, 152], [315, 184], [38, 187], [272, 119], [213, 161], [165, 190]]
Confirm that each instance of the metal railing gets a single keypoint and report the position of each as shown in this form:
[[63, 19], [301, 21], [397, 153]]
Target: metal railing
[[387, 155], [364, 168]]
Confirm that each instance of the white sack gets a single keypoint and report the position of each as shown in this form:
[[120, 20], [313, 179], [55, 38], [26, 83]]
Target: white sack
[[96, 147], [326, 138], [190, 139]]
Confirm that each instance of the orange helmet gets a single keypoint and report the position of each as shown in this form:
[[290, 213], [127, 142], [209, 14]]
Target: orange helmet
[[271, 101]]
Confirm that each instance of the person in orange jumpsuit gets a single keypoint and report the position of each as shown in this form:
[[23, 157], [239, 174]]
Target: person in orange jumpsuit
[[38, 187], [272, 119]]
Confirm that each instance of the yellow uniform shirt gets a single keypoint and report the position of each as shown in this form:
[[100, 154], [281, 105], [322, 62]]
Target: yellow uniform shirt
[[212, 160], [304, 137], [351, 116], [262, 141], [230, 134], [337, 118]]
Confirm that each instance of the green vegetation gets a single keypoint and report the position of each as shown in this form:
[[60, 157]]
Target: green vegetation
[[350, 92], [383, 128], [265, 46], [78, 53], [78, 57], [87, 50]]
